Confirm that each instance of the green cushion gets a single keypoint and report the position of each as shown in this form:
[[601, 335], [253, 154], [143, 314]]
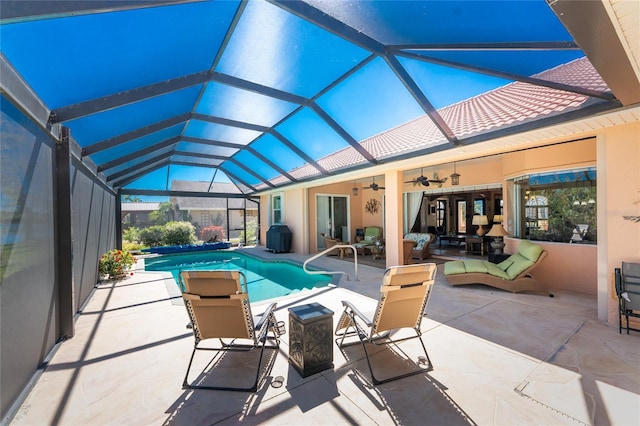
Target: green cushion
[[494, 270], [505, 264], [519, 265], [372, 231], [475, 266], [529, 250], [454, 267]]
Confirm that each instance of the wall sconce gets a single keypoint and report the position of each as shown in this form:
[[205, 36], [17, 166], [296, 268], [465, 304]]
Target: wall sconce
[[354, 190], [455, 177]]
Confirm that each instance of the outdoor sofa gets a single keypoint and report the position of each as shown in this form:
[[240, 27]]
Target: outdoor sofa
[[513, 274]]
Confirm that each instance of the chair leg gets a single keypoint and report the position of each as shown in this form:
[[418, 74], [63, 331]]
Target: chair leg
[[377, 381], [252, 388]]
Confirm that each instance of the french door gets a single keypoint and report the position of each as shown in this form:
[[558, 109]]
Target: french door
[[332, 218]]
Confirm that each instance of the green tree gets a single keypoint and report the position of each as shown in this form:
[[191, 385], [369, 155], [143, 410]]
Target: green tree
[[167, 212]]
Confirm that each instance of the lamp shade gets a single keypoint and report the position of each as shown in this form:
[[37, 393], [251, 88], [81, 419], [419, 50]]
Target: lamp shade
[[497, 218], [497, 231], [480, 220]]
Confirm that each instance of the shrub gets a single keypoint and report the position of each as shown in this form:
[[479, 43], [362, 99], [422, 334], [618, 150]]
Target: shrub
[[252, 228], [212, 233], [131, 234], [176, 233], [131, 246], [152, 236]]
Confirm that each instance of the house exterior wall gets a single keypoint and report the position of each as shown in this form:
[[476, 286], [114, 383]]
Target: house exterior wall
[[619, 196], [614, 151]]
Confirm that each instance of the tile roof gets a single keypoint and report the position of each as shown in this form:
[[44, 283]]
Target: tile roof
[[501, 108]]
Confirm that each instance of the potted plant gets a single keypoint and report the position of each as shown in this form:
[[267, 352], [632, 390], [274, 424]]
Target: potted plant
[[116, 263]]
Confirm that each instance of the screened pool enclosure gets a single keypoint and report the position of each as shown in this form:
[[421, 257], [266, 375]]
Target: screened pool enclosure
[[184, 101], [265, 94]]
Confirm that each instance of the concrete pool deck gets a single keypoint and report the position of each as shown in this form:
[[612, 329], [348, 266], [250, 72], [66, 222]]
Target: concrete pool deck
[[499, 358]]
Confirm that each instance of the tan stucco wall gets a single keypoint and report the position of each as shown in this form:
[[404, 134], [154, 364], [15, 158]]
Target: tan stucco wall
[[358, 217], [567, 267], [615, 151], [294, 205], [618, 239]]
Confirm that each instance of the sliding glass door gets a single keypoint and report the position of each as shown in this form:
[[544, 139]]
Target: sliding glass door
[[332, 215]]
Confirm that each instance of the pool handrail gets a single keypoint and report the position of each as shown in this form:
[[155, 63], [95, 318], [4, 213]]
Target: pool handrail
[[330, 249]]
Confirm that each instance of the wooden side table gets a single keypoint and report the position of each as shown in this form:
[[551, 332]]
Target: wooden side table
[[376, 251], [473, 242]]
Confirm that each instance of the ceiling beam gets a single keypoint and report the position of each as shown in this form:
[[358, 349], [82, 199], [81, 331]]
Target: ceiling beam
[[258, 88], [229, 122], [212, 142], [153, 192], [299, 152], [344, 134], [271, 164], [124, 172], [127, 180], [14, 11], [137, 154], [329, 23], [126, 97], [521, 45], [508, 76], [422, 100], [134, 134]]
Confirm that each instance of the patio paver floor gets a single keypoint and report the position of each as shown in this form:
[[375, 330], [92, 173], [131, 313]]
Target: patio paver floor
[[499, 358]]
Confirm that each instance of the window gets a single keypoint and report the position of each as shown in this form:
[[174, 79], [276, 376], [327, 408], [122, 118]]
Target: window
[[462, 216], [441, 215], [276, 209], [559, 206]]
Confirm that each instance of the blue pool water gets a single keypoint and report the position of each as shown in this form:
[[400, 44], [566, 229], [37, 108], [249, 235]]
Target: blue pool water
[[265, 279]]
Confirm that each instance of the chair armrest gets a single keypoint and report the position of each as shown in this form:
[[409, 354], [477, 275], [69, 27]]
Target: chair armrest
[[262, 319], [618, 273], [356, 312]]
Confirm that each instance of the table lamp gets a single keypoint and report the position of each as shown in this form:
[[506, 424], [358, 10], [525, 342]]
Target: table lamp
[[480, 221], [497, 232]]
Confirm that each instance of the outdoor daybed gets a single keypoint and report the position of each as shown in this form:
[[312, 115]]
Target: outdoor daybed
[[513, 274]]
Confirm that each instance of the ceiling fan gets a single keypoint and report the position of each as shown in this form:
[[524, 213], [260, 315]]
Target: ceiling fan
[[437, 181], [374, 186], [424, 181]]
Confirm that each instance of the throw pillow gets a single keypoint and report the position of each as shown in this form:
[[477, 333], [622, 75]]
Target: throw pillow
[[505, 264], [529, 250]]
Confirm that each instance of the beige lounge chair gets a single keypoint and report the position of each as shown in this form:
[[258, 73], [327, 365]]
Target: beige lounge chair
[[403, 298], [218, 306], [513, 274]]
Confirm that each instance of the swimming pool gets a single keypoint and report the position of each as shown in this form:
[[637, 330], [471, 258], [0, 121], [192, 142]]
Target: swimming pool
[[265, 279]]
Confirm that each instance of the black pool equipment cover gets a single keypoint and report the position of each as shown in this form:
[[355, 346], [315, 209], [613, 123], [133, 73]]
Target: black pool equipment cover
[[279, 239]]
